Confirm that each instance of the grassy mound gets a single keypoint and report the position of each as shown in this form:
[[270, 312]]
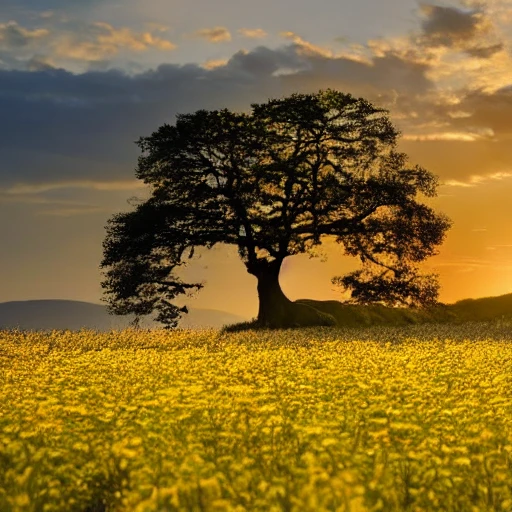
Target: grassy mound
[[298, 315], [347, 315], [467, 310], [338, 314], [485, 309]]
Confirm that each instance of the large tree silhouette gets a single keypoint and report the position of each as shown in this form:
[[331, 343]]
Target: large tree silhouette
[[276, 182]]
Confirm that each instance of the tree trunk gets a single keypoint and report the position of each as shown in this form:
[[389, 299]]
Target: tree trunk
[[273, 303], [278, 311]]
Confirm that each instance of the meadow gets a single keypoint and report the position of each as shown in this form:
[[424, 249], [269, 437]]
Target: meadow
[[380, 419]]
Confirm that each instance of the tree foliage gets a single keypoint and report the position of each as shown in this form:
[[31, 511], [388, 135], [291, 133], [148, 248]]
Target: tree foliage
[[276, 182]]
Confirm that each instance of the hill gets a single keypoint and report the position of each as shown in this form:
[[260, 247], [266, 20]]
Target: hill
[[75, 315], [487, 308], [483, 309]]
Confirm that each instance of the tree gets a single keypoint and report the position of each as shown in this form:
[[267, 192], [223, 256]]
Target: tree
[[276, 182]]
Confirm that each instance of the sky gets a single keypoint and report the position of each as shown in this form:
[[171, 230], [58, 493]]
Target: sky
[[81, 81]]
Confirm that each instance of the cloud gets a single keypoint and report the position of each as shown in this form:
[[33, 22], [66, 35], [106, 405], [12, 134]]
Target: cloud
[[491, 111], [306, 48], [125, 37], [449, 26], [13, 35], [463, 50], [73, 211], [471, 31], [50, 205], [81, 127], [71, 198], [54, 207], [485, 52], [252, 33], [37, 188], [477, 180], [63, 42], [467, 264], [32, 9], [215, 63], [214, 35], [261, 64], [460, 163], [462, 54], [99, 41], [461, 136], [59, 119], [500, 246]]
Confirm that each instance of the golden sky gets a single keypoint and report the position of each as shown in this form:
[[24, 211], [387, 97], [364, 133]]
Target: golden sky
[[79, 84]]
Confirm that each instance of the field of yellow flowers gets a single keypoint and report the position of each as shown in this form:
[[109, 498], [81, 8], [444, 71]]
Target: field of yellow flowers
[[415, 419]]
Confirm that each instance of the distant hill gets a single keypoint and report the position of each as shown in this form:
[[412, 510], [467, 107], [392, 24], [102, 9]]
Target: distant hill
[[75, 315]]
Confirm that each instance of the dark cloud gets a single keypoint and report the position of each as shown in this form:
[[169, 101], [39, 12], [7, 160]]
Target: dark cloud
[[261, 61], [485, 52], [20, 6], [470, 31], [489, 111], [13, 35], [66, 127], [62, 126], [381, 80], [449, 25]]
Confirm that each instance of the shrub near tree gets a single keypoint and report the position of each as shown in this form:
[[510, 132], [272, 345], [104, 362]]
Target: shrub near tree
[[276, 182]]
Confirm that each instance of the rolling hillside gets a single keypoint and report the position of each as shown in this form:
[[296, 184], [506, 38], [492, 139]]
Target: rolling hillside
[[74, 315], [467, 310]]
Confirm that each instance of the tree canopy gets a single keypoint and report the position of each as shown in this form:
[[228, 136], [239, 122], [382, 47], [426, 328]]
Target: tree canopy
[[276, 182]]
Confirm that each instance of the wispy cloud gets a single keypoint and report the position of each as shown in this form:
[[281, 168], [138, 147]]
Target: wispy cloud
[[252, 33], [307, 48], [72, 211], [469, 264], [39, 199], [450, 136], [47, 205], [55, 207], [479, 179], [214, 35], [125, 37], [499, 246], [470, 135], [60, 41], [38, 188], [214, 63], [101, 41]]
